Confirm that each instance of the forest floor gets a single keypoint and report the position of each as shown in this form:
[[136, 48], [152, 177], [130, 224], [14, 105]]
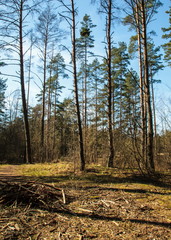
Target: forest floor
[[100, 203]]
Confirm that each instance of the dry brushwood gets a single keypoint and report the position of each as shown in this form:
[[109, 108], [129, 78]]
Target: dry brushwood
[[33, 194]]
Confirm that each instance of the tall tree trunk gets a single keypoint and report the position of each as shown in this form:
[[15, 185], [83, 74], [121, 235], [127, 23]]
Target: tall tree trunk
[[154, 117], [82, 160], [54, 124], [150, 155], [85, 88], [48, 148], [43, 151], [24, 102], [109, 100], [96, 120], [85, 103], [142, 97], [29, 74]]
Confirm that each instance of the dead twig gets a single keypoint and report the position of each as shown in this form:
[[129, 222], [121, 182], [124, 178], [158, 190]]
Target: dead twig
[[59, 236], [38, 236], [45, 184], [64, 198], [85, 210], [33, 194], [104, 202]]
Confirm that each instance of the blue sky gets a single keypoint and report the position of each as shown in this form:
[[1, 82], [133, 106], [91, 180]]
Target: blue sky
[[120, 34]]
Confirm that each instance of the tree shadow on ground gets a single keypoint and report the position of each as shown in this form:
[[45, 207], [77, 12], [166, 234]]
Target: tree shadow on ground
[[107, 179], [70, 180], [94, 216], [137, 179], [117, 219], [99, 178], [129, 190]]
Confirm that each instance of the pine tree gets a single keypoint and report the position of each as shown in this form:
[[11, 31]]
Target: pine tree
[[120, 63], [83, 45], [131, 110], [155, 65], [56, 69], [167, 36], [140, 15], [71, 10], [47, 31], [107, 7], [96, 106]]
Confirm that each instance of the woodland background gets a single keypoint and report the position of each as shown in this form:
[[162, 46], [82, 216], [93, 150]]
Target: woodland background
[[110, 116]]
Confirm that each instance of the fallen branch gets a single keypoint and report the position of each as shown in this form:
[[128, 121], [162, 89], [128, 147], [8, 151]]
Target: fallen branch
[[33, 194]]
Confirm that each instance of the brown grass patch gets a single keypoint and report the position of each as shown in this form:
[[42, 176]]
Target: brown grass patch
[[103, 204]]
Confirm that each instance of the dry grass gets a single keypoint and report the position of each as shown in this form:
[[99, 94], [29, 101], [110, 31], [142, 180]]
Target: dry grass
[[104, 204], [38, 170]]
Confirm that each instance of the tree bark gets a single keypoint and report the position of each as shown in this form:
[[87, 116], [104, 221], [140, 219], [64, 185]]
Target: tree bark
[[43, 104], [82, 160], [24, 102], [154, 118], [142, 97], [109, 99], [150, 155]]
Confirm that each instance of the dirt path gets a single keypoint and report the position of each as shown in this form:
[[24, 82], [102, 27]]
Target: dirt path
[[10, 173], [8, 170]]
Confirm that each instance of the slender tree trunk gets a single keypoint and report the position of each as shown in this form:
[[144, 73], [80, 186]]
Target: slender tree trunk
[[48, 148], [142, 97], [96, 123], [109, 100], [85, 88], [54, 124], [29, 76], [24, 102], [43, 105], [113, 103], [82, 160], [150, 155], [85, 103], [154, 117]]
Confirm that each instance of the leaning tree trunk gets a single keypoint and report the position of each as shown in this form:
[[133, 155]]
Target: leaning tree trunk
[[24, 102], [82, 160]]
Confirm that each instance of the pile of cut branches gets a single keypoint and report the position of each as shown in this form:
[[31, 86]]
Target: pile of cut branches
[[33, 194]]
